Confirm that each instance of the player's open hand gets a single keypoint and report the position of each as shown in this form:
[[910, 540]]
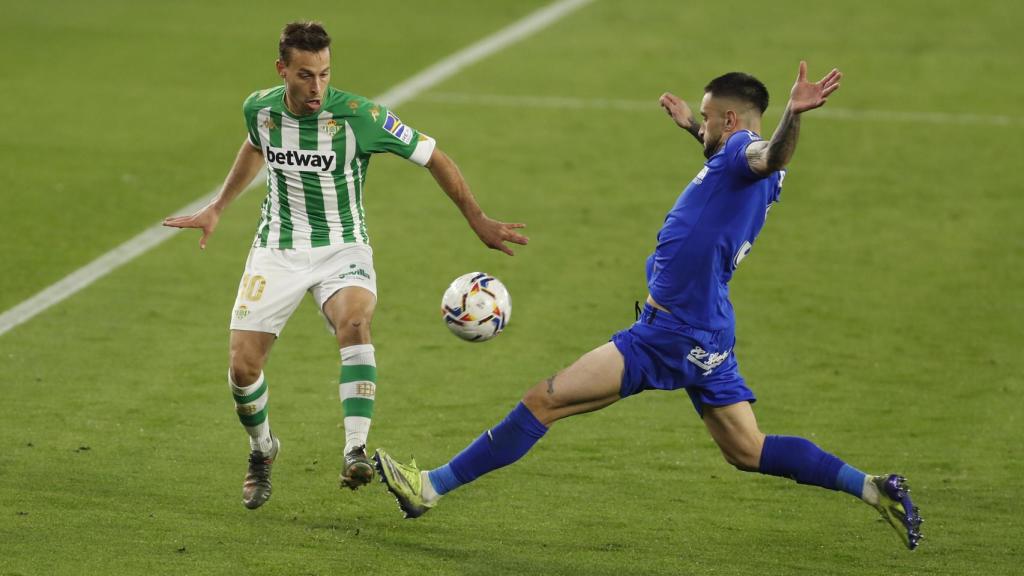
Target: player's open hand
[[678, 110], [494, 234], [205, 218], [807, 95]]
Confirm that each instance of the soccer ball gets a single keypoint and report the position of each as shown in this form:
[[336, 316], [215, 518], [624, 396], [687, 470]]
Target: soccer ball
[[476, 307]]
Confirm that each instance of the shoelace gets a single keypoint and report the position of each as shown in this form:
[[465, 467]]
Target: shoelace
[[258, 466], [357, 454]]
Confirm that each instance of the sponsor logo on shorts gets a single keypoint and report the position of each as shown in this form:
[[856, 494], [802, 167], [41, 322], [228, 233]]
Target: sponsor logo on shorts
[[707, 361], [241, 313], [300, 160], [355, 271]]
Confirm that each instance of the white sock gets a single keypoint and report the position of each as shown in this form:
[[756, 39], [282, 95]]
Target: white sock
[[870, 493], [357, 390], [427, 488]]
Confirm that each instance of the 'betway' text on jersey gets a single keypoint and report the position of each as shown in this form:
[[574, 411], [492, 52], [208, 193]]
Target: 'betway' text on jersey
[[317, 164], [301, 160]]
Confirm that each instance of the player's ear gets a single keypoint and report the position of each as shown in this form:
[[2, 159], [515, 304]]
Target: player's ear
[[731, 119], [280, 68]]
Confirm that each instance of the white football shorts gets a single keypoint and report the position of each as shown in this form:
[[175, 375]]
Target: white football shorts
[[275, 281]]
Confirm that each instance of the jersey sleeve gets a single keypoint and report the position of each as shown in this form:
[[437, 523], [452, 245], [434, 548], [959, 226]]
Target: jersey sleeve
[[736, 154], [380, 130], [249, 112]]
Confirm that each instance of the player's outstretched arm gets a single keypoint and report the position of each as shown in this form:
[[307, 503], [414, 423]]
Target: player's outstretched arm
[[679, 111], [767, 157], [491, 232], [247, 164]]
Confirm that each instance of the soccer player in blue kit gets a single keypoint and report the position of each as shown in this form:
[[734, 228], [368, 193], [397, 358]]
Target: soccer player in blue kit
[[685, 335]]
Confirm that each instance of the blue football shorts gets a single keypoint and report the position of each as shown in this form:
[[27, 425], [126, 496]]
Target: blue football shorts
[[662, 353]]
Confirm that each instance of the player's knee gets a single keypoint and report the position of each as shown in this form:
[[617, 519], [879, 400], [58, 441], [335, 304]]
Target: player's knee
[[741, 461], [244, 371], [542, 404], [745, 456], [354, 329]]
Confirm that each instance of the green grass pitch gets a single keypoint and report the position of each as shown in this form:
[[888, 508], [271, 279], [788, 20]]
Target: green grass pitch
[[880, 313]]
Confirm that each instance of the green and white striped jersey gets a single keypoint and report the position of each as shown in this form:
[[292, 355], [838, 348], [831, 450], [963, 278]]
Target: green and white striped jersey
[[317, 163]]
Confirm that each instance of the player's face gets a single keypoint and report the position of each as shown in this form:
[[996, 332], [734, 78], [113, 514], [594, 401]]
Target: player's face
[[305, 75], [713, 127]]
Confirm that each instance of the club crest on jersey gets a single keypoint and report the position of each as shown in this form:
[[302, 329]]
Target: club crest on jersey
[[330, 127], [395, 127], [300, 160]]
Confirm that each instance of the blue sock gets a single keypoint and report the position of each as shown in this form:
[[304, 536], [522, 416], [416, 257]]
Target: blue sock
[[499, 446], [851, 480], [803, 461]]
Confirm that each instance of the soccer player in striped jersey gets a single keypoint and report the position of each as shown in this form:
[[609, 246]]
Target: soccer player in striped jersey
[[685, 337], [316, 142]]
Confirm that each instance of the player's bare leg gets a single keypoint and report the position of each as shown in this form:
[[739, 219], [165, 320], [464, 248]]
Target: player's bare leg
[[591, 383], [734, 428], [249, 352], [350, 311]]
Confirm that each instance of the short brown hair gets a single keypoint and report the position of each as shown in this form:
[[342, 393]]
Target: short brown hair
[[309, 36]]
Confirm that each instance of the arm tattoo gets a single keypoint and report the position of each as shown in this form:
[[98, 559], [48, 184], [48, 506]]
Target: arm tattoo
[[783, 142], [694, 131], [551, 385]]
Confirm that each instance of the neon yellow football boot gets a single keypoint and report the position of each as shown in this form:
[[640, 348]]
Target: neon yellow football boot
[[404, 482]]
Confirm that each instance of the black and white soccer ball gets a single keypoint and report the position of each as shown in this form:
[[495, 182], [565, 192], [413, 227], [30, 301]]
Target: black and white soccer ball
[[476, 307]]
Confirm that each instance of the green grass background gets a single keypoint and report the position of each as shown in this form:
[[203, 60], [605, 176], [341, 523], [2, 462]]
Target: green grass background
[[879, 313]]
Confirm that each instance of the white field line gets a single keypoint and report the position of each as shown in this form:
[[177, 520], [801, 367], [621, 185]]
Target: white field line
[[398, 94], [560, 102], [498, 41]]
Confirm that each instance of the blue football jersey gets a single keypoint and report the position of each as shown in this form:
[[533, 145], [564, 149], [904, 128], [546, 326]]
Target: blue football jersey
[[709, 230]]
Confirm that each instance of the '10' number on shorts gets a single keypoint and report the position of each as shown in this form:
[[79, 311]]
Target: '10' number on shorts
[[252, 287]]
